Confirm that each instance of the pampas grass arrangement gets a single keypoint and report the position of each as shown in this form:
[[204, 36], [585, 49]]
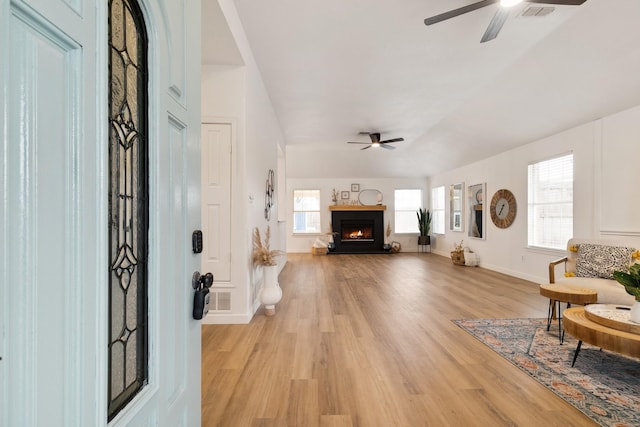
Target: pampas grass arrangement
[[262, 253]]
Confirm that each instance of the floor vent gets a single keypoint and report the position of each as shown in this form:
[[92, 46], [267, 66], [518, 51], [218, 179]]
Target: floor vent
[[538, 11], [220, 301]]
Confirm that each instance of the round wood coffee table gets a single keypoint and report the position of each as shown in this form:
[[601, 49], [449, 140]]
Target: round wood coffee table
[[618, 338], [558, 294]]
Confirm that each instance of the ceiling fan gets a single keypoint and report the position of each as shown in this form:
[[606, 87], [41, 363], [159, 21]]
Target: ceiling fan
[[375, 141], [499, 18]]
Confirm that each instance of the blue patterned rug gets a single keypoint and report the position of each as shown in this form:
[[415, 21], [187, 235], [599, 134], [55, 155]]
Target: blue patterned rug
[[604, 386]]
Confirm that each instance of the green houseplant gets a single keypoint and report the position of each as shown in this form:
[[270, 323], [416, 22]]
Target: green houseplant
[[424, 225], [631, 281]]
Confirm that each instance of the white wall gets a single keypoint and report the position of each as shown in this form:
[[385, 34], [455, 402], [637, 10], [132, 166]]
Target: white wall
[[605, 170], [620, 177], [263, 136], [297, 243], [236, 94]]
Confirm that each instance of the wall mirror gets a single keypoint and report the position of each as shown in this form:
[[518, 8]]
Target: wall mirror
[[456, 206], [477, 215]]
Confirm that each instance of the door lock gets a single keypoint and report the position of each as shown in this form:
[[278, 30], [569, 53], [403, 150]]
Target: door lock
[[196, 241], [201, 284]]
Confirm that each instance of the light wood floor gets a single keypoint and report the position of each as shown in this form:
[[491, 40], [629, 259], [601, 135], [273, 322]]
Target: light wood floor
[[367, 340]]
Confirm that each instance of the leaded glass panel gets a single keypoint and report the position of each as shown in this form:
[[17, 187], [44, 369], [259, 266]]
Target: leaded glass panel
[[128, 204]]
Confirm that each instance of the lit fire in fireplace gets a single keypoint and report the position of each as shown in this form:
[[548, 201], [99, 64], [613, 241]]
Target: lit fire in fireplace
[[359, 232]]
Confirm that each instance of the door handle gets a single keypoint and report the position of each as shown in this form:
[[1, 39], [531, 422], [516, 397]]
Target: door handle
[[201, 284]]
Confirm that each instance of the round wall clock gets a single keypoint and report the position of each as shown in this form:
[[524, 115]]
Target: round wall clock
[[503, 208]]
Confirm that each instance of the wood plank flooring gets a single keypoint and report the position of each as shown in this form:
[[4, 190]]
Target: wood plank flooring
[[367, 340]]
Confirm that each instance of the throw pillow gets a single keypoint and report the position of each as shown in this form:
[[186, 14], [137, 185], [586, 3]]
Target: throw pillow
[[601, 261]]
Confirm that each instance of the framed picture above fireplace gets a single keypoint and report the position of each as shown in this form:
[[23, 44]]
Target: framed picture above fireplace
[[344, 195]]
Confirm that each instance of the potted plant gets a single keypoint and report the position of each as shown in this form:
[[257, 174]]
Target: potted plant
[[424, 225], [270, 293], [631, 282]]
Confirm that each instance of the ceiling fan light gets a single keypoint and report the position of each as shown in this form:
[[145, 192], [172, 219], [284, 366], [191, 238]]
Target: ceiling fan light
[[375, 144], [509, 3]]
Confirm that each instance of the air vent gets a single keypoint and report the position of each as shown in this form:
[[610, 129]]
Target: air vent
[[220, 301], [538, 11]]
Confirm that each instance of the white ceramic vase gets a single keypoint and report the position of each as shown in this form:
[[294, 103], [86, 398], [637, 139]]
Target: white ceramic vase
[[271, 293], [635, 312]]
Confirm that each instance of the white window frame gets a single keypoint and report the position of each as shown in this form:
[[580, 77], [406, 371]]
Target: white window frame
[[406, 212], [306, 211], [438, 210], [549, 192]]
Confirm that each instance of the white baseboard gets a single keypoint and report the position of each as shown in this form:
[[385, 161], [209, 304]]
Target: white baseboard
[[226, 319], [518, 274], [509, 272]]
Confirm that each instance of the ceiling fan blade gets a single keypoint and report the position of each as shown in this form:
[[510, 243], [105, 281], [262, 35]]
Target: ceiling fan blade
[[392, 140], [388, 147], [354, 142], [457, 12], [369, 146], [559, 2], [495, 25]]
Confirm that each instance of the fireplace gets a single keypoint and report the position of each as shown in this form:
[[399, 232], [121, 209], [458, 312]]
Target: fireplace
[[357, 231]]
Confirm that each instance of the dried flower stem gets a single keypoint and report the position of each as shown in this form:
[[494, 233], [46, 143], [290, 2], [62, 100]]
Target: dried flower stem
[[262, 254]]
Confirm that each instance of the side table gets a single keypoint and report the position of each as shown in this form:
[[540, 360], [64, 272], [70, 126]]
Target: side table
[[558, 294]]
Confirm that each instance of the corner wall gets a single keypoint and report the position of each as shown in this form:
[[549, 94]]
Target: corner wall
[[605, 170]]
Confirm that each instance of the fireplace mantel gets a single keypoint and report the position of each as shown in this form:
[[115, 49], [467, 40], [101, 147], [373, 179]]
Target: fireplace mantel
[[358, 207]]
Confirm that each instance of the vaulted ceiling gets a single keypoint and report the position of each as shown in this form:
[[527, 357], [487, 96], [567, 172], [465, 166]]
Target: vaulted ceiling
[[334, 68]]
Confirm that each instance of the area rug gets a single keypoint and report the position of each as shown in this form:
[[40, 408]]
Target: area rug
[[603, 385]]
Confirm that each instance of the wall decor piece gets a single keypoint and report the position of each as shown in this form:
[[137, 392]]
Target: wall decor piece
[[344, 195], [334, 196], [503, 208], [370, 197], [268, 197], [355, 188], [477, 216], [456, 206]]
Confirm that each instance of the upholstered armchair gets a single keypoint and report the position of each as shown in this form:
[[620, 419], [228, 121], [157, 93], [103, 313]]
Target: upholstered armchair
[[590, 264]]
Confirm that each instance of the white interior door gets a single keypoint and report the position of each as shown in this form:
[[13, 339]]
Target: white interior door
[[216, 200], [53, 287]]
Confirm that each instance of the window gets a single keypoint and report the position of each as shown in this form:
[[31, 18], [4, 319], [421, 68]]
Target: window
[[128, 205], [306, 211], [407, 203], [550, 205], [437, 201]]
